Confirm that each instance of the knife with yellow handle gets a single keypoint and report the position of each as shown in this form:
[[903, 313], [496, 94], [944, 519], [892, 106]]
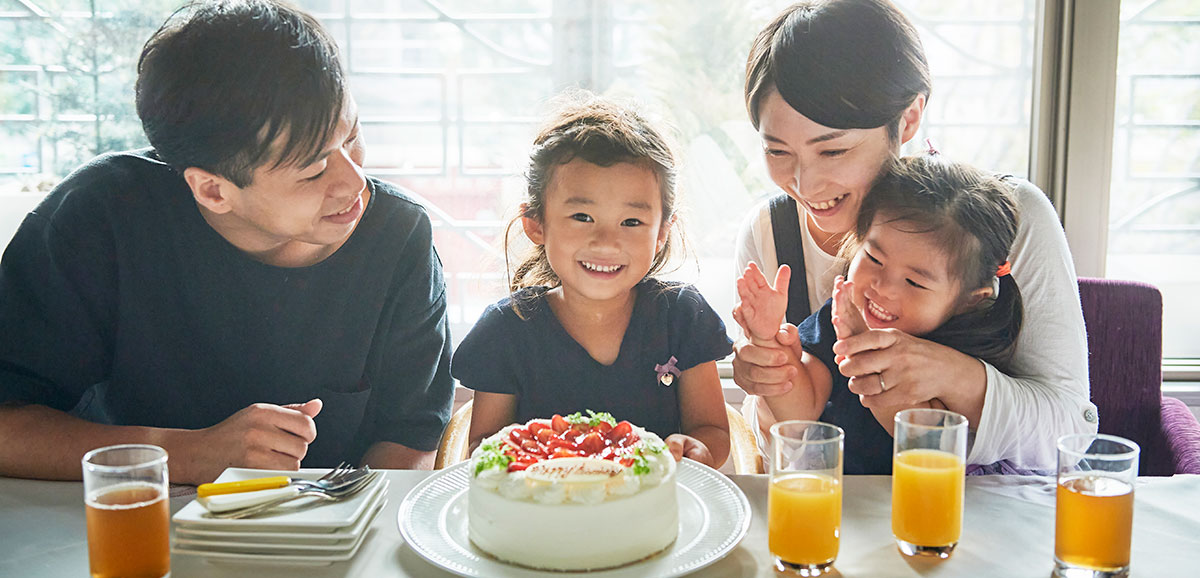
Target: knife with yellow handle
[[214, 489]]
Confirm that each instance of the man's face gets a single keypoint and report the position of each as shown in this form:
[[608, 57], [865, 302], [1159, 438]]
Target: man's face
[[293, 214]]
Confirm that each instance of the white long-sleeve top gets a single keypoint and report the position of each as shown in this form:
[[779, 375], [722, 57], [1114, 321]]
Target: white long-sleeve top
[[1045, 395]]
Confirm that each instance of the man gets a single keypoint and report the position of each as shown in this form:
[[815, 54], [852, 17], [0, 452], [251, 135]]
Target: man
[[238, 294]]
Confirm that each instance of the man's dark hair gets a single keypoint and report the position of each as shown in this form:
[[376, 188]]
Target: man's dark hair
[[221, 81]]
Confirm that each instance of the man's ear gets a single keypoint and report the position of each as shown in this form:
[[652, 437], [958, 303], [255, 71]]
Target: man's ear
[[910, 119], [210, 190], [532, 225]]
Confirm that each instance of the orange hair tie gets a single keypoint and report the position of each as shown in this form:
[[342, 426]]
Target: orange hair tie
[[1004, 269]]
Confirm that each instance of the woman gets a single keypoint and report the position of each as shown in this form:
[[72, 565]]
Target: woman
[[834, 88]]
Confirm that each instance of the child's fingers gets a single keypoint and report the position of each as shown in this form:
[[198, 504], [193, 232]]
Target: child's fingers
[[783, 278], [675, 445], [753, 274], [743, 288]]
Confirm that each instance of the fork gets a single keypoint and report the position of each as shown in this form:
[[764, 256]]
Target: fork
[[331, 478], [364, 478]]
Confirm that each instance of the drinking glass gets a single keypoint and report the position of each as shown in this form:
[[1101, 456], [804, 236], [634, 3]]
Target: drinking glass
[[128, 514], [928, 470], [804, 499], [1094, 514]]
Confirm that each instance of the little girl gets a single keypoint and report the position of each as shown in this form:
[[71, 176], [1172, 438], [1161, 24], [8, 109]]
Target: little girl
[[929, 257], [587, 326]]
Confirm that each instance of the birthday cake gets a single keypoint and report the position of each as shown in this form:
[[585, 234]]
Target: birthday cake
[[572, 493]]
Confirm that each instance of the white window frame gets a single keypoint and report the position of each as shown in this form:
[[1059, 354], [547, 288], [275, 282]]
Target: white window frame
[[1073, 120]]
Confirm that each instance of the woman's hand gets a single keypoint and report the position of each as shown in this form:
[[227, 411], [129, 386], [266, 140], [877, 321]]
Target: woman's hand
[[890, 368], [765, 371]]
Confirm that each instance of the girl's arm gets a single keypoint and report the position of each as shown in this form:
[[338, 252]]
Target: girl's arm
[[810, 389], [489, 413], [705, 436]]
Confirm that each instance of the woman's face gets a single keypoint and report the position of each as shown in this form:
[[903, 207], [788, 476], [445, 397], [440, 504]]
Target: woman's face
[[827, 170]]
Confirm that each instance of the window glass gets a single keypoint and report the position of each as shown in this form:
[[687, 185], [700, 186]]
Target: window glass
[[1154, 204], [450, 94]]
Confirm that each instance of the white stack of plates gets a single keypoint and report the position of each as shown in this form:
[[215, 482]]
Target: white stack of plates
[[303, 532]]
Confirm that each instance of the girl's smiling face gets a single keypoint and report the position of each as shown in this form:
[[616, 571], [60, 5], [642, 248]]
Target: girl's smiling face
[[903, 280], [601, 227]]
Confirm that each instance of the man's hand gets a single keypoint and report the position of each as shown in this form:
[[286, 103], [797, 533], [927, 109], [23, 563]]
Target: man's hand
[[685, 446], [762, 307], [262, 436], [765, 371]]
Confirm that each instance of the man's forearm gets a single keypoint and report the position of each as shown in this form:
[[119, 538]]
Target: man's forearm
[[394, 456], [45, 443]]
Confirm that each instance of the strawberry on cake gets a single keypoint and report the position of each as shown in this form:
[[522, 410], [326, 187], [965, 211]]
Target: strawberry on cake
[[540, 491]]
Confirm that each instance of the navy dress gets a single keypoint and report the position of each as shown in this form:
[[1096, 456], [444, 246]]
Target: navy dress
[[536, 359], [868, 448]]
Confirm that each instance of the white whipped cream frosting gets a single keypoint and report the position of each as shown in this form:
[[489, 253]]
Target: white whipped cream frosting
[[585, 488]]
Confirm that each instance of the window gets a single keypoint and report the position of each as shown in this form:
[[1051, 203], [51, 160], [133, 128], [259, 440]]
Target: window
[[451, 91], [1154, 201]]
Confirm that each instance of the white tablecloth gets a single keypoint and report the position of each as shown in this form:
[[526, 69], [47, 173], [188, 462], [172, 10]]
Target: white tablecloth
[[1008, 531]]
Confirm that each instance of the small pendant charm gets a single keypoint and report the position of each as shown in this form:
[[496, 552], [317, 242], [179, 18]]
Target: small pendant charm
[[667, 372]]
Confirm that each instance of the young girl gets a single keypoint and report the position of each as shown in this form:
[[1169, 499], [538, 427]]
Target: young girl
[[928, 257], [587, 326]]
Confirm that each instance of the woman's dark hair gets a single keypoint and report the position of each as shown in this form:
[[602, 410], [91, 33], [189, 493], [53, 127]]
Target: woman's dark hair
[[603, 133], [974, 218], [220, 82], [842, 63]]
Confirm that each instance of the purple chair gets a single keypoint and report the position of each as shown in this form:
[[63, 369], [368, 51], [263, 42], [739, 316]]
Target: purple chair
[[1124, 335]]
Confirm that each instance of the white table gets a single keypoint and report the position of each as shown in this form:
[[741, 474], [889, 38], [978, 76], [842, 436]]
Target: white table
[[1008, 531]]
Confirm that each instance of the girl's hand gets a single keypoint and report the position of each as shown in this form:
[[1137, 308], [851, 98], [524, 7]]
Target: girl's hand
[[761, 307], [890, 368], [847, 317], [766, 371], [686, 446]]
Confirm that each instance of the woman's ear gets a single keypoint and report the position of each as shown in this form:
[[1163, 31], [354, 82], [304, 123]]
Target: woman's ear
[[532, 225], [910, 119], [210, 190]]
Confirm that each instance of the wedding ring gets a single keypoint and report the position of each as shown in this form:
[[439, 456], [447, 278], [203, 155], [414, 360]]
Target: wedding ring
[[882, 385]]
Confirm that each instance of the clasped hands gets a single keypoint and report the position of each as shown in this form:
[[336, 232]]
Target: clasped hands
[[886, 367]]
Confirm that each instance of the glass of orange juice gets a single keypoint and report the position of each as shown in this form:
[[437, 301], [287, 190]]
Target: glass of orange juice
[[928, 470], [804, 499], [128, 515], [1093, 518]]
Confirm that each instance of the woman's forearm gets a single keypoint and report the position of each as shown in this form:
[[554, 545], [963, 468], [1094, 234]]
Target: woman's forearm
[[965, 385]]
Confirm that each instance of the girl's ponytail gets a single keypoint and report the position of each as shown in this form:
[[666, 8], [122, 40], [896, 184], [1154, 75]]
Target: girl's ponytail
[[988, 332]]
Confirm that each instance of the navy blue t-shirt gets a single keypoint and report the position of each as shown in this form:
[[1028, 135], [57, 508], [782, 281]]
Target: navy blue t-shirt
[[538, 361], [119, 302], [868, 448]]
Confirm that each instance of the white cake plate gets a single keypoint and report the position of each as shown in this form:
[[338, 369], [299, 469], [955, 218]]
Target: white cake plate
[[714, 515]]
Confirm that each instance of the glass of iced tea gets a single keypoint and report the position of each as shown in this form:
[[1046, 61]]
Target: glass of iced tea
[[128, 513], [1093, 518], [928, 471], [804, 499]]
